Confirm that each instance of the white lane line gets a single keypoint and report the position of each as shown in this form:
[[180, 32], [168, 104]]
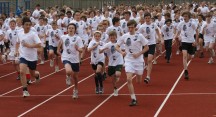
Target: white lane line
[[5, 63], [53, 96], [16, 72], [89, 95], [170, 92], [34, 81], [98, 106], [91, 112]]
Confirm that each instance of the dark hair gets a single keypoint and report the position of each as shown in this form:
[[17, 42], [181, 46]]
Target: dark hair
[[25, 20], [115, 19], [68, 12], [132, 22], [38, 5], [147, 14], [41, 18], [201, 16], [127, 12], [113, 33], [84, 17], [13, 21], [187, 13], [92, 12], [76, 12], [45, 19], [167, 14], [168, 20], [73, 25]]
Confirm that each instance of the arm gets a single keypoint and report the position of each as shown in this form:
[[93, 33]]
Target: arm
[[59, 47], [119, 50], [145, 49], [93, 47]]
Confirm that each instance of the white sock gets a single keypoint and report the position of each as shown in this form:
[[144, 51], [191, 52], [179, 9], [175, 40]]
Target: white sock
[[148, 77], [133, 96]]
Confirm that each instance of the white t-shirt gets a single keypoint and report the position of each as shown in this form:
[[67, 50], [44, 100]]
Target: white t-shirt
[[81, 28], [93, 22], [53, 41], [209, 31], [30, 54], [149, 32], [1, 42], [95, 55], [47, 27], [59, 23], [204, 10], [36, 14], [12, 35], [117, 29], [168, 32], [115, 58], [133, 44], [105, 37], [69, 51], [66, 21], [123, 24], [40, 30], [187, 31]]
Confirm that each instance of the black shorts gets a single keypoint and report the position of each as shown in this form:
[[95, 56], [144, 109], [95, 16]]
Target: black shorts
[[201, 36], [7, 44], [112, 69], [32, 65], [94, 66], [189, 47], [150, 51], [54, 49], [74, 66]]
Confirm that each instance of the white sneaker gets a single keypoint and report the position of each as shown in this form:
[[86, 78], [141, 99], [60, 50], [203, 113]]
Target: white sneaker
[[56, 68], [68, 80], [210, 61], [177, 52], [115, 92], [154, 62], [51, 63], [26, 94], [4, 59], [75, 94], [42, 62]]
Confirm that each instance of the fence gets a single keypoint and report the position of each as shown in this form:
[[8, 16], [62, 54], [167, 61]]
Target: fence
[[75, 4]]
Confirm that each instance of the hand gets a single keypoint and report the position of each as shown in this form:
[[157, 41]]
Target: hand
[[56, 36], [173, 41], [136, 55]]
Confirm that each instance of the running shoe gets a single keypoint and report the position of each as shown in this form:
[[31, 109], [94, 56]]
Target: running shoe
[[51, 63], [42, 62], [115, 92], [133, 102], [29, 82], [147, 80], [75, 94], [26, 94], [68, 80], [56, 68], [177, 52], [101, 90], [211, 61], [186, 75], [37, 79], [18, 77], [4, 59], [154, 62]]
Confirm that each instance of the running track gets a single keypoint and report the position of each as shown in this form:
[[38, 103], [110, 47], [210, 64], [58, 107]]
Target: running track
[[167, 95]]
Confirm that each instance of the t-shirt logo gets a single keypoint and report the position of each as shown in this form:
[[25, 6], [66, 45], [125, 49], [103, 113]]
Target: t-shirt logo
[[124, 25], [74, 39], [67, 42], [184, 28], [147, 30], [52, 34], [10, 35], [113, 49], [167, 29], [95, 48], [136, 36], [38, 29], [77, 25], [128, 42]]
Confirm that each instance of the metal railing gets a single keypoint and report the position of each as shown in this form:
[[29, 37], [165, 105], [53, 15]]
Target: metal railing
[[4, 7]]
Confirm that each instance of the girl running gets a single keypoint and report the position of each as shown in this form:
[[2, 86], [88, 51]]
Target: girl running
[[97, 60], [72, 46], [54, 35]]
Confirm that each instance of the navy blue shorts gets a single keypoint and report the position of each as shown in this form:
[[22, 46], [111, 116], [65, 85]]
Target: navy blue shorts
[[74, 66], [54, 49], [94, 67], [32, 65], [150, 51]]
